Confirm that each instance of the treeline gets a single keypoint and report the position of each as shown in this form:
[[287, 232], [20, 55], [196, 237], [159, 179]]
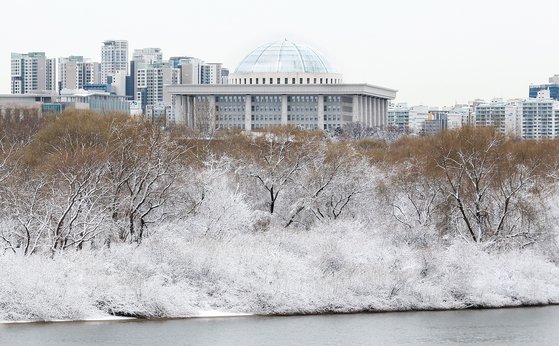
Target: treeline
[[84, 180]]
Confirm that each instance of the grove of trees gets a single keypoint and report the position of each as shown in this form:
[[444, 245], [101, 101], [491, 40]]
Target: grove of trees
[[82, 183]]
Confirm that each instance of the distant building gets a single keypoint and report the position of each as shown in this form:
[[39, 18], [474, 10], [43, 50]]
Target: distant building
[[114, 58], [195, 71], [21, 105], [282, 83], [211, 73], [552, 86], [75, 72], [502, 115], [148, 55], [540, 117], [418, 116], [32, 72], [40, 103], [150, 73], [399, 116]]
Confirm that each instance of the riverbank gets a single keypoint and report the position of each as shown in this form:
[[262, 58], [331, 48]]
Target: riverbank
[[339, 268], [219, 314]]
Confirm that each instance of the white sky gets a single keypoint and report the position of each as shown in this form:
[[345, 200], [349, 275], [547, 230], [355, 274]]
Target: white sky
[[435, 52]]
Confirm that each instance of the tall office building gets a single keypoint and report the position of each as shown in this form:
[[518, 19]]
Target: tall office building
[[32, 72], [114, 58], [552, 86], [75, 72]]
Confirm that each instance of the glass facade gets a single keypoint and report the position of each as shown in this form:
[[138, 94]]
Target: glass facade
[[286, 57], [553, 90]]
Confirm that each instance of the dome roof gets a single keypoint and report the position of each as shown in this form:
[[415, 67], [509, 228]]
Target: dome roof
[[284, 57]]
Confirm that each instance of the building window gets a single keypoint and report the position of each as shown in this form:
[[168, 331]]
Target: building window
[[308, 81], [300, 80], [286, 81], [292, 80], [279, 80], [320, 80], [271, 81], [250, 80]]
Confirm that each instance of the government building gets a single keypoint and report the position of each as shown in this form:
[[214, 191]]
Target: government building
[[282, 83]]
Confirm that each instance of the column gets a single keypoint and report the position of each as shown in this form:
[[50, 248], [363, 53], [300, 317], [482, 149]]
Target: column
[[321, 112], [283, 110], [355, 109], [375, 112], [367, 111], [192, 111], [371, 111], [189, 100], [248, 113], [178, 109], [212, 113], [383, 116]]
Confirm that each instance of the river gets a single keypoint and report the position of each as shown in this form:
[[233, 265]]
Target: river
[[518, 326]]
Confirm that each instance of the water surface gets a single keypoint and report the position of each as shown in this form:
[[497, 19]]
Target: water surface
[[522, 326]]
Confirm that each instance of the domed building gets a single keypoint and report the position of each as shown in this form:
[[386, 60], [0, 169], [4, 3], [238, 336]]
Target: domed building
[[284, 63], [281, 83]]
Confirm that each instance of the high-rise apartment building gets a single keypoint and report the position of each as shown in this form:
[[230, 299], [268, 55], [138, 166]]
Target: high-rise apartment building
[[211, 73], [399, 116], [540, 117], [500, 114], [114, 58], [32, 72], [149, 74], [195, 71], [75, 72], [148, 55]]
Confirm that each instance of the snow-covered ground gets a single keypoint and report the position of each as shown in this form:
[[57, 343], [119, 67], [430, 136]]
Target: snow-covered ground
[[341, 267]]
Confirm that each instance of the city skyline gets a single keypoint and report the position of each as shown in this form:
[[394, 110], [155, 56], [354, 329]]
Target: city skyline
[[433, 53]]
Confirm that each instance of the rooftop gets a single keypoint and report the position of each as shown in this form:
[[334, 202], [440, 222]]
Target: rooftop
[[284, 57]]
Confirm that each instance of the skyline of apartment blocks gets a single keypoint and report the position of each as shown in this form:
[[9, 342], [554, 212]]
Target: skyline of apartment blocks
[[425, 120], [75, 72], [114, 59], [504, 116], [32, 72], [149, 75]]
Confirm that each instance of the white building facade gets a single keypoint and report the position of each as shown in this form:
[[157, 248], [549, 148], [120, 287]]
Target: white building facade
[[281, 84], [150, 74], [32, 72], [75, 72], [502, 115], [114, 58], [540, 117]]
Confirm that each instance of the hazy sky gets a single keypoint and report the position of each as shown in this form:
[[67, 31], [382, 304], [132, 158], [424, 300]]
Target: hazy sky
[[435, 52]]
